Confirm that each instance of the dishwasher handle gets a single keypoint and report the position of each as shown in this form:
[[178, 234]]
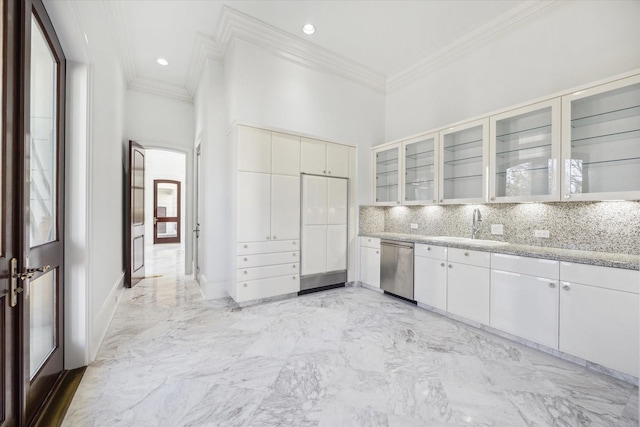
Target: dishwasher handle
[[407, 245]]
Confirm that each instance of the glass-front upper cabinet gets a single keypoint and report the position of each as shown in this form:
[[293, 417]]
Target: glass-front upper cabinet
[[420, 170], [525, 154], [386, 169], [601, 142], [464, 155]]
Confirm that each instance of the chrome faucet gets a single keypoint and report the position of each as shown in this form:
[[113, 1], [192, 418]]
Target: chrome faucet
[[477, 219]]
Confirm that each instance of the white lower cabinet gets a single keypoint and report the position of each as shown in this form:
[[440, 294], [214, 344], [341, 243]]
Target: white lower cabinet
[[430, 276], [525, 306], [468, 284], [370, 261], [269, 287], [599, 317]]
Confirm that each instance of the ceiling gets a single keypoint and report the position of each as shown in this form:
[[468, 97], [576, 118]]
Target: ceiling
[[385, 37]]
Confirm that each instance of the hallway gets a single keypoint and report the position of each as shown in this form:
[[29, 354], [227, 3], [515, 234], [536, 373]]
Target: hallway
[[346, 357]]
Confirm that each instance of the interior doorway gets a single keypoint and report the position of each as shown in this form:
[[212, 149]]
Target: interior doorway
[[167, 217]]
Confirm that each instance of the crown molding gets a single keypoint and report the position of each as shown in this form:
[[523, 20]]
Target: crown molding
[[235, 25], [204, 47], [158, 88], [118, 20], [458, 45]]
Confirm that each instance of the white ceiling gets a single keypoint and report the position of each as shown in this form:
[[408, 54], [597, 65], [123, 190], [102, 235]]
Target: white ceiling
[[386, 37]]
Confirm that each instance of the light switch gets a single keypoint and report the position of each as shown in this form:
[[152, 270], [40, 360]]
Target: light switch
[[497, 229]]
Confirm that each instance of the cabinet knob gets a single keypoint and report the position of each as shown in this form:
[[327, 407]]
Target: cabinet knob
[[294, 266], [245, 285], [398, 202], [377, 252], [274, 237], [493, 198], [369, 239], [294, 242], [245, 272], [466, 254], [294, 277], [428, 248], [324, 171], [329, 172], [566, 287], [246, 246], [268, 237], [552, 285], [441, 200], [442, 264], [450, 266], [294, 254], [246, 259]]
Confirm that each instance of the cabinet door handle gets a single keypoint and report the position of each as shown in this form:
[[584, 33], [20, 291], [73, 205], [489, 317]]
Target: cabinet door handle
[[377, 252], [566, 287], [294, 254], [294, 277], [442, 264], [246, 246], [466, 254], [245, 272], [450, 266], [246, 259], [294, 266], [552, 285], [245, 285], [428, 248], [274, 237], [268, 237], [324, 171]]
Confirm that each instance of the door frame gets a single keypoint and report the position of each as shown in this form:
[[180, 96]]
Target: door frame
[[156, 219]]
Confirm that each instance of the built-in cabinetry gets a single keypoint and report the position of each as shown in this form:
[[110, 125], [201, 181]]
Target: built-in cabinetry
[[525, 297], [324, 158], [430, 275], [587, 311], [370, 261], [464, 154], [468, 284], [583, 145], [599, 317], [525, 154], [601, 142]]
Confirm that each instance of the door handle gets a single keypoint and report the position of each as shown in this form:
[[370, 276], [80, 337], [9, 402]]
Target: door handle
[[26, 275], [155, 220]]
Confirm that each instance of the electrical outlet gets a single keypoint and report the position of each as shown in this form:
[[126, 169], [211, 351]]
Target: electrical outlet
[[497, 229], [541, 233], [414, 226]]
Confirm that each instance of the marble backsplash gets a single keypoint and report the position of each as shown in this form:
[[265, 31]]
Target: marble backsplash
[[589, 226]]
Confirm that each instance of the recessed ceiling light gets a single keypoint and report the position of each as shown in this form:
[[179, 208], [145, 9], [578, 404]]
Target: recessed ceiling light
[[308, 29], [162, 61]]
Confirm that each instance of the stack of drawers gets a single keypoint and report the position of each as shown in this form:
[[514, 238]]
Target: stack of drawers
[[267, 269]]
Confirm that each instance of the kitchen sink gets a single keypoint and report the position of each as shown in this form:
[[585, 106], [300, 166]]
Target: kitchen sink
[[468, 241]]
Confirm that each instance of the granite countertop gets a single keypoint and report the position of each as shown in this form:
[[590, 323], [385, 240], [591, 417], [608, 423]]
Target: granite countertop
[[603, 259]]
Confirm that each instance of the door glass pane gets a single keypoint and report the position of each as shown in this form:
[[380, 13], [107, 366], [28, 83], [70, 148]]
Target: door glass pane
[[167, 229], [463, 164], [42, 315], [167, 202], [419, 170], [605, 142], [43, 139], [523, 155], [387, 175], [138, 188]]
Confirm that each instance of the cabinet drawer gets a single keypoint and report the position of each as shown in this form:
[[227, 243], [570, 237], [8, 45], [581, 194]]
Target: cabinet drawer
[[465, 256], [268, 271], [260, 260], [250, 248], [370, 242], [430, 251], [604, 277], [265, 288], [525, 265]]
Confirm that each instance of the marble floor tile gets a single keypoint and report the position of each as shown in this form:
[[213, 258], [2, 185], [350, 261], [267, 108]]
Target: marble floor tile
[[339, 358]]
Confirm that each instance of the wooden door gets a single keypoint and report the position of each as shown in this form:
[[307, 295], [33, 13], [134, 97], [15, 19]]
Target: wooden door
[[198, 207], [134, 225], [41, 213], [166, 211]]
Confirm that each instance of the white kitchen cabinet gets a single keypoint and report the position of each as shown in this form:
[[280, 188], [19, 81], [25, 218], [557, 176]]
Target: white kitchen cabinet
[[370, 261], [337, 200], [254, 207], [525, 154], [468, 285], [285, 207], [285, 154], [430, 275], [314, 249], [419, 184], [336, 247], [387, 173], [269, 287], [254, 150], [601, 142], [526, 306], [464, 160], [599, 317], [324, 158]]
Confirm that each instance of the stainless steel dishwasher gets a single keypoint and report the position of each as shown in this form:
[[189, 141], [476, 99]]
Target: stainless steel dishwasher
[[396, 268]]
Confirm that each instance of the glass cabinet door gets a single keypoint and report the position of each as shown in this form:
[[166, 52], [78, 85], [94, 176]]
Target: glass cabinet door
[[601, 142], [387, 172], [420, 163], [525, 151], [464, 153]]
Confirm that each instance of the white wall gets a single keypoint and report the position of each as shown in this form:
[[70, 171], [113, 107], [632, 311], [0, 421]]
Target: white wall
[[161, 164], [565, 45], [268, 90]]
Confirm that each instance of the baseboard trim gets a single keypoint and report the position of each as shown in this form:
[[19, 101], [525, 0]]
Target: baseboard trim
[[55, 408], [101, 322]]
